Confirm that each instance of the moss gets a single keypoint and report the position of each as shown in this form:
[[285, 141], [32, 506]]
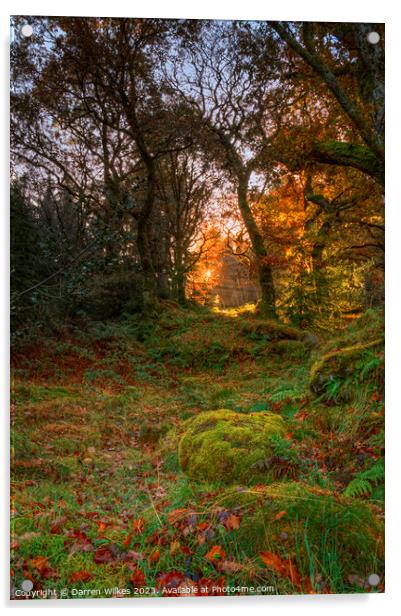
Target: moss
[[294, 349], [325, 534], [338, 364], [350, 155], [224, 446], [272, 330]]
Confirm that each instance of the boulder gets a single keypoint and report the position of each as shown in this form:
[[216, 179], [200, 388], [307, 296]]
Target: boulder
[[341, 365], [227, 447]]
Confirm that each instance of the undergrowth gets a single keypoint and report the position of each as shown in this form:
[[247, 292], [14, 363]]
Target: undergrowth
[[100, 501]]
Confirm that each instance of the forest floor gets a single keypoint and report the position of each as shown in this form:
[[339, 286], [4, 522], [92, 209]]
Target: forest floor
[[101, 506]]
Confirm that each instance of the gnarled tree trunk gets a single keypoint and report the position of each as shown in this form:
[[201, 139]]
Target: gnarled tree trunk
[[263, 266]]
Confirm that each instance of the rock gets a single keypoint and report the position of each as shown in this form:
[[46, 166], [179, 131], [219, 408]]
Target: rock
[[338, 365], [311, 340], [224, 446]]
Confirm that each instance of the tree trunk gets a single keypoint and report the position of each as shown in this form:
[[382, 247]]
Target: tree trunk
[[265, 275], [319, 269], [180, 287], [143, 240]]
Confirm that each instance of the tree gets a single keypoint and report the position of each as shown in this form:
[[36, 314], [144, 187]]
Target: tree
[[100, 79], [185, 187], [352, 69], [237, 115]]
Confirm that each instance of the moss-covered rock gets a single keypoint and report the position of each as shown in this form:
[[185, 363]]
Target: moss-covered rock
[[224, 446], [339, 365], [329, 537]]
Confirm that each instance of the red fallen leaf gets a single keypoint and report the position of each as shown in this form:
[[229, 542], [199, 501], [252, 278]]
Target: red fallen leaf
[[80, 576], [215, 553], [176, 515], [56, 529], [171, 579], [40, 563], [39, 505], [49, 573], [186, 550], [283, 567], [157, 538], [138, 526], [203, 525], [14, 546], [232, 522], [138, 578], [154, 557], [102, 555], [101, 527], [209, 587], [127, 540], [58, 525], [279, 515]]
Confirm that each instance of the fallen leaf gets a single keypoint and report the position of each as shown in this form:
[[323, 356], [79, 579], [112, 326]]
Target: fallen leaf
[[210, 587], [283, 567], [154, 557], [176, 515], [279, 515], [215, 553], [169, 580], [102, 555], [232, 522], [138, 526], [80, 576], [49, 573], [101, 527], [127, 540], [39, 563], [138, 578]]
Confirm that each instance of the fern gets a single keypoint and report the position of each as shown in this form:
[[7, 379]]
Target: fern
[[359, 487], [364, 483], [284, 393], [375, 473], [367, 366]]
